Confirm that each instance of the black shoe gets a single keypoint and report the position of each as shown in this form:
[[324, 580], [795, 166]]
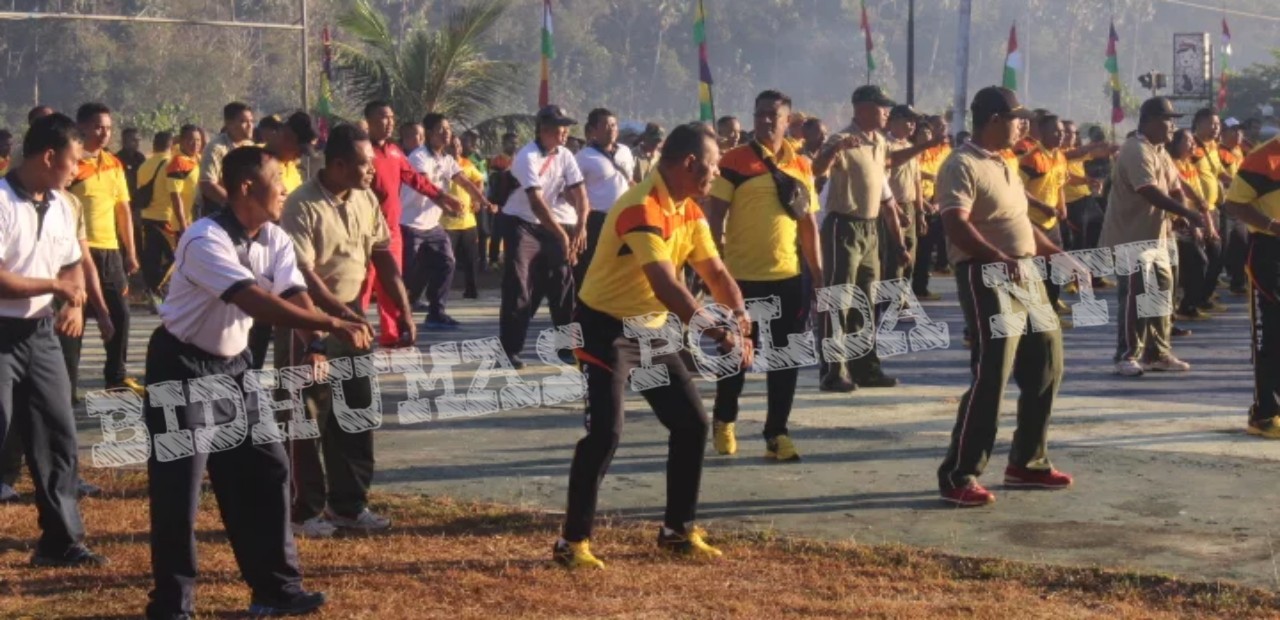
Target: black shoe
[[171, 616], [516, 362], [1239, 290], [1179, 332], [296, 605], [928, 296], [75, 556], [879, 380], [567, 357], [837, 384]]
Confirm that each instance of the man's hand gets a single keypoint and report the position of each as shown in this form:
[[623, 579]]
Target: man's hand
[[70, 292], [355, 334], [131, 264], [904, 257], [578, 243], [1194, 219], [106, 328], [1012, 266], [408, 332], [488, 206], [848, 142], [449, 204], [319, 366], [1043, 208], [729, 341], [70, 321], [566, 246]]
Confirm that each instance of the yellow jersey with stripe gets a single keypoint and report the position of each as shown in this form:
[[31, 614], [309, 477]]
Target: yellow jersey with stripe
[[761, 242], [1258, 182], [100, 185], [644, 226]]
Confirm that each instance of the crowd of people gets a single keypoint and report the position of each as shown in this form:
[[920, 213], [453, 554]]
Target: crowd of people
[[244, 240]]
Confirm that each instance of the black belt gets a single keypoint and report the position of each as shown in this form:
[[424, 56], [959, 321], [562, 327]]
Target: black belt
[[849, 217]]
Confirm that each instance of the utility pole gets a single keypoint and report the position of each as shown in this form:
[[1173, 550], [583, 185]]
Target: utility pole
[[911, 52], [306, 60], [960, 100]]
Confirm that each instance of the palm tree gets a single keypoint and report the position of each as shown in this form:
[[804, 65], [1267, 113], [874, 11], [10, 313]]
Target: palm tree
[[443, 71]]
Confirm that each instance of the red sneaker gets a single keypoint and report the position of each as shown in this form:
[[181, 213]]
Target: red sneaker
[[1021, 477], [969, 496]]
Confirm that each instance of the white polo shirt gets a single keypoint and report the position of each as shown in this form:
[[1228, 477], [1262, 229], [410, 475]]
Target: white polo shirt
[[606, 177], [553, 173], [419, 211], [214, 261], [34, 247]]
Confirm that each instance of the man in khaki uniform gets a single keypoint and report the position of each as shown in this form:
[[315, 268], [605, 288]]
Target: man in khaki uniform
[[237, 131], [984, 212], [856, 160], [337, 230], [1145, 196], [904, 180]]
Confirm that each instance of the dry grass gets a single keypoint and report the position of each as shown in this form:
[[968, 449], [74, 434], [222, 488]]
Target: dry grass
[[452, 560]]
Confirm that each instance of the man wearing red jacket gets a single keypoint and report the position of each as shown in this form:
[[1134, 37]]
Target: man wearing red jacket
[[391, 169]]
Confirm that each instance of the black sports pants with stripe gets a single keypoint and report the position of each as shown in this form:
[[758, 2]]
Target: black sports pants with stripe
[[1264, 311], [608, 357]]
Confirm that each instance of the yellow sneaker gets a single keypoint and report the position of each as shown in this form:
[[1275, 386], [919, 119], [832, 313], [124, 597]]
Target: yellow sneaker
[[1071, 288], [722, 435], [132, 384], [690, 545], [575, 555], [1269, 428], [781, 449]]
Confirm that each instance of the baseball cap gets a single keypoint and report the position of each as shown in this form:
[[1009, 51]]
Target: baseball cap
[[997, 100], [872, 94], [555, 115], [300, 124], [1158, 107], [271, 122], [903, 110], [1231, 122], [653, 131]]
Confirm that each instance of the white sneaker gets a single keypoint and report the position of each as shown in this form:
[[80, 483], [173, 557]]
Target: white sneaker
[[1168, 363], [315, 527], [366, 521], [8, 494], [1128, 368]]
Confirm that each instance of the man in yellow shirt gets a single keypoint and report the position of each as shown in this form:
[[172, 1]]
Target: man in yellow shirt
[[1254, 198], [1208, 164], [156, 206], [1044, 172], [933, 243], [462, 227], [654, 230], [100, 186], [289, 141], [1235, 236], [182, 179], [766, 231]]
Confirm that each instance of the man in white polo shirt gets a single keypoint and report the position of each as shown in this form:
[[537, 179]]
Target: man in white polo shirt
[[543, 238], [41, 262], [607, 168], [428, 254], [231, 269]]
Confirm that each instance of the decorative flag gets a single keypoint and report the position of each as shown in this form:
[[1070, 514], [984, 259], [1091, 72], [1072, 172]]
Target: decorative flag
[[548, 52], [706, 104], [1226, 65], [324, 107], [866, 31], [1113, 67], [1012, 60]]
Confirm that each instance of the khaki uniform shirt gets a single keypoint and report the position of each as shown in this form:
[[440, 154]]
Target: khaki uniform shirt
[[904, 180], [989, 188], [211, 161], [335, 237], [858, 178], [1130, 217]]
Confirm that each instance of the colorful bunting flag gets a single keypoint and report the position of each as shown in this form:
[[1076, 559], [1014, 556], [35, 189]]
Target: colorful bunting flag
[[706, 104], [1113, 68], [1226, 65], [866, 31], [548, 52], [1012, 60]]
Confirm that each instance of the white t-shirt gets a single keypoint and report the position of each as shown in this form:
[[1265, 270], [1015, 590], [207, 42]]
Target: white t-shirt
[[606, 181], [214, 261], [34, 249], [552, 173], [419, 211]]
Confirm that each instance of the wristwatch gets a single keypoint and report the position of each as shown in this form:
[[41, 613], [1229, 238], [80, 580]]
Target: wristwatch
[[317, 346]]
